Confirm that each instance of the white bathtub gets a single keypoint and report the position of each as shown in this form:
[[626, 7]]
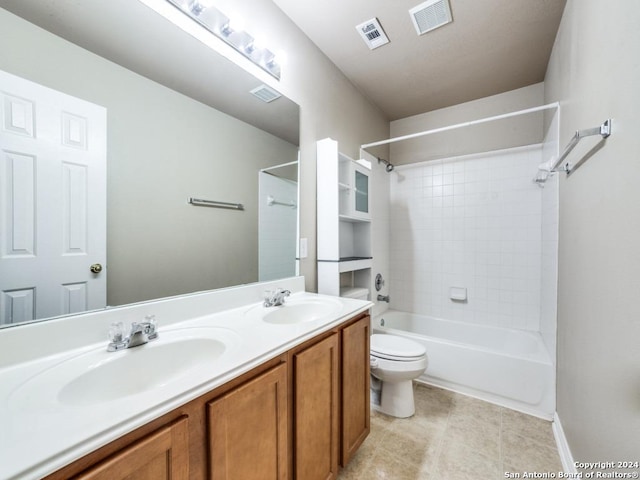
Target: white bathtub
[[508, 367]]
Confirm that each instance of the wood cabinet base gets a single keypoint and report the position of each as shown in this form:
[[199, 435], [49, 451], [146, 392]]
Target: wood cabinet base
[[163, 455]]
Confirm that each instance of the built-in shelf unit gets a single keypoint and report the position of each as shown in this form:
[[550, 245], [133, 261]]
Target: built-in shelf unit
[[344, 222]]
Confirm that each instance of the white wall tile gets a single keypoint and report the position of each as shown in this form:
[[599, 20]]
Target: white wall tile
[[474, 222]]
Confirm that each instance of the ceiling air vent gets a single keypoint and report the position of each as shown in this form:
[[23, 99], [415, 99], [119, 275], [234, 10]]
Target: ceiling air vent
[[431, 14], [265, 93], [372, 33]]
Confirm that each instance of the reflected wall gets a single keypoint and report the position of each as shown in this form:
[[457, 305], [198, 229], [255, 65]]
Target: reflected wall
[[163, 147]]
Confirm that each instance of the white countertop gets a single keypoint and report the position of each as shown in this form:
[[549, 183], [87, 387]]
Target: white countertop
[[40, 434]]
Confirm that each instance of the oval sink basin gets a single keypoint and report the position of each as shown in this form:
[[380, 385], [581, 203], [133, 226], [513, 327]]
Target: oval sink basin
[[99, 376], [303, 311]]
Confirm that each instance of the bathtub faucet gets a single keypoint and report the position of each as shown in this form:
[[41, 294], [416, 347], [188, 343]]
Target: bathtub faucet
[[383, 298]]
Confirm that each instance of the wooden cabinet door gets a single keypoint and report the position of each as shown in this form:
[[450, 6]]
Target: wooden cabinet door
[[159, 456], [355, 387], [316, 374], [248, 430]]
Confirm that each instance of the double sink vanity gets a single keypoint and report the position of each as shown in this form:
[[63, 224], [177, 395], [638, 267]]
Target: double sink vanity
[[231, 388]]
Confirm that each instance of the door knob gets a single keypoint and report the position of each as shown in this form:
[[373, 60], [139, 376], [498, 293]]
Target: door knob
[[95, 268]]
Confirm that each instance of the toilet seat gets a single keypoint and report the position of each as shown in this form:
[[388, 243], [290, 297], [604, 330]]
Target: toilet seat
[[393, 347]]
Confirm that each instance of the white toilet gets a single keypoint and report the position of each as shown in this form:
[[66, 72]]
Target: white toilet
[[396, 361]]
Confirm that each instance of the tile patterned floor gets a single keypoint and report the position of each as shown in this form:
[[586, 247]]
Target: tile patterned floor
[[453, 437]]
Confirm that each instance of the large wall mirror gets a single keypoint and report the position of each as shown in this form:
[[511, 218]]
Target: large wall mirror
[[181, 122]]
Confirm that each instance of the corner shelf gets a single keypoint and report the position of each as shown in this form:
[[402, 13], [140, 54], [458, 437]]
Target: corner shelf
[[353, 264], [344, 222], [348, 218], [353, 292]]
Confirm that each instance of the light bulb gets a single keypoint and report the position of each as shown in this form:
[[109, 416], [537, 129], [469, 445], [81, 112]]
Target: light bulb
[[280, 58], [199, 6], [236, 24], [259, 42]]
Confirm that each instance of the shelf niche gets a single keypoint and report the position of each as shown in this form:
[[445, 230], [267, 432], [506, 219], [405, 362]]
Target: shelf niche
[[344, 222]]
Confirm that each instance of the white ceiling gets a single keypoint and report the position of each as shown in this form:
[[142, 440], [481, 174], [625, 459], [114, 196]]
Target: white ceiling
[[492, 46]]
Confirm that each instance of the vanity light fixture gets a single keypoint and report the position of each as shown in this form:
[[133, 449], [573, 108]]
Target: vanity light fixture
[[203, 12]]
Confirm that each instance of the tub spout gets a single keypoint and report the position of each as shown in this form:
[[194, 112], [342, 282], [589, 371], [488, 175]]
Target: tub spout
[[383, 298]]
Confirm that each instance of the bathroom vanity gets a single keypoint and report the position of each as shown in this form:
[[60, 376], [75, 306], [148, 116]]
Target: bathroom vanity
[[286, 395]]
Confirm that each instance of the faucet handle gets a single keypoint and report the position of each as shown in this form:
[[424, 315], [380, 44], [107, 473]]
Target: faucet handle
[[151, 327], [268, 298], [117, 338], [116, 332]]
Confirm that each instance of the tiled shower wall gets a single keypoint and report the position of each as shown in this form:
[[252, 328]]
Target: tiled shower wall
[[549, 261], [472, 222]]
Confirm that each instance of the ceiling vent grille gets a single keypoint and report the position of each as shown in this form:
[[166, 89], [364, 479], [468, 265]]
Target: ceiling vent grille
[[372, 33], [265, 93], [429, 15]]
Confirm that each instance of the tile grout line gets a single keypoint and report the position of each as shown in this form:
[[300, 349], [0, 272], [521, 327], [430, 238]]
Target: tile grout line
[[439, 448]]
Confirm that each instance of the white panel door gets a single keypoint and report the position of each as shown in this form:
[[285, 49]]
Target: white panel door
[[52, 202]]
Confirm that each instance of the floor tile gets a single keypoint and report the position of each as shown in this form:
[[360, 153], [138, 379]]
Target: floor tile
[[521, 453], [534, 428], [453, 437], [460, 462]]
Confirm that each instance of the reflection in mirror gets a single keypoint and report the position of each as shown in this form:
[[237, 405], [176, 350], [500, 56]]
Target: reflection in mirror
[[177, 126], [278, 221]]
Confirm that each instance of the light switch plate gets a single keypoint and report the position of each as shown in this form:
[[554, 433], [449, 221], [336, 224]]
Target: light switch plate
[[303, 248]]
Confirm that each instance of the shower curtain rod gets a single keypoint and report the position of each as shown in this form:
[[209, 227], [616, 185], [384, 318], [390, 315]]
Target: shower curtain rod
[[464, 124], [295, 162]]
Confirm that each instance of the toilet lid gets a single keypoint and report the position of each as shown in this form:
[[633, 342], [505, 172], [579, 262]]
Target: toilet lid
[[395, 348]]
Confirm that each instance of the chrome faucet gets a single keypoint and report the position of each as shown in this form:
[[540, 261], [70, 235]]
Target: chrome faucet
[[276, 297], [140, 333], [383, 298]]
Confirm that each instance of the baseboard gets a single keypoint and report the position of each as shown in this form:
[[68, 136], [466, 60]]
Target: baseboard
[[564, 451], [488, 397]]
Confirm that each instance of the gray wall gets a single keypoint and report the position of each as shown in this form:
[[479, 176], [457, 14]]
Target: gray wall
[[330, 106], [594, 72], [162, 148], [512, 132]]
